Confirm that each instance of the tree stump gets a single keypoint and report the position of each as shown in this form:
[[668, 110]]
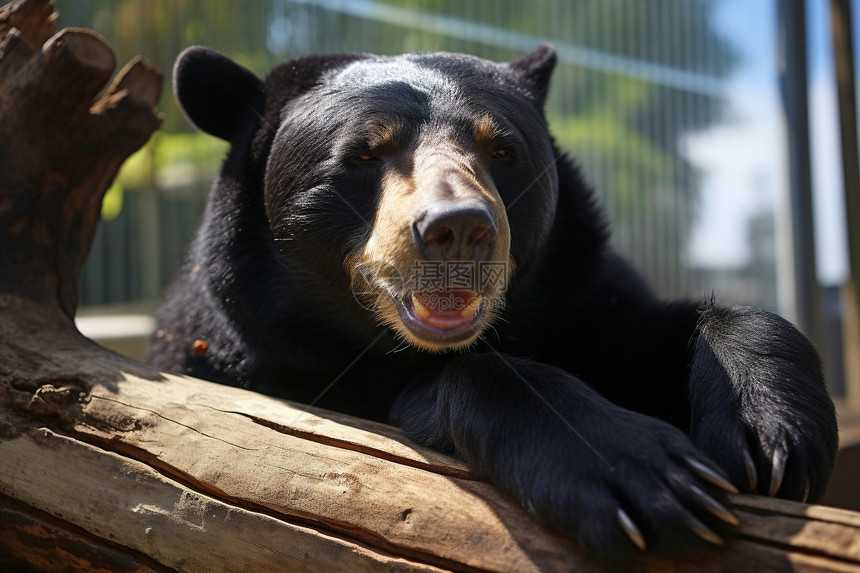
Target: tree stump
[[109, 465]]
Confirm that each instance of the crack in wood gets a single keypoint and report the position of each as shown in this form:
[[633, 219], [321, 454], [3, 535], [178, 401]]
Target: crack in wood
[[795, 549], [167, 419], [448, 471], [341, 531]]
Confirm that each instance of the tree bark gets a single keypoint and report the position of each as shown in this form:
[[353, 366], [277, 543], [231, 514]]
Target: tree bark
[[63, 142], [109, 465]]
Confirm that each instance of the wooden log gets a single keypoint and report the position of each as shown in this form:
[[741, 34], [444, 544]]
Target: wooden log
[[109, 465], [161, 464]]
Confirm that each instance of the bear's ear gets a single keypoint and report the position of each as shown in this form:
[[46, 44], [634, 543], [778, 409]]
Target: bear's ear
[[537, 68], [213, 90]]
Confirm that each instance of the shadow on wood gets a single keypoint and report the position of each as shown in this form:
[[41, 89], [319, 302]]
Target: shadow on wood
[[108, 465]]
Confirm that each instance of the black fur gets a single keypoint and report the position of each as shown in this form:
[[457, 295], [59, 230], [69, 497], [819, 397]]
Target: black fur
[[576, 402]]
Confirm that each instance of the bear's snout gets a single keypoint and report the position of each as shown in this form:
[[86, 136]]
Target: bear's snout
[[436, 263], [455, 231]]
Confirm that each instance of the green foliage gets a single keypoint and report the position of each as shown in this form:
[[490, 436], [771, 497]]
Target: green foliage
[[165, 153]]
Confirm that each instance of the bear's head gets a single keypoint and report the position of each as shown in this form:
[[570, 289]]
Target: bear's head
[[417, 185]]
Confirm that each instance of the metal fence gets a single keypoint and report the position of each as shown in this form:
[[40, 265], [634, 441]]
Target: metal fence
[[635, 81]]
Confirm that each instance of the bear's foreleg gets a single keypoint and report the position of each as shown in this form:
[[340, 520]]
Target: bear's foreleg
[[612, 478]]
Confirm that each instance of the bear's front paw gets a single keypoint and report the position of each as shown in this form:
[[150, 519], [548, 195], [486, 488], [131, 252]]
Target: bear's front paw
[[639, 485], [769, 452], [759, 406]]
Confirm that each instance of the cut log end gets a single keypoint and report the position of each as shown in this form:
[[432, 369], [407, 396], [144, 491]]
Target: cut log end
[[140, 79], [35, 19], [88, 48]]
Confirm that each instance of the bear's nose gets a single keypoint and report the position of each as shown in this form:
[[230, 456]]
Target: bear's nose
[[456, 231]]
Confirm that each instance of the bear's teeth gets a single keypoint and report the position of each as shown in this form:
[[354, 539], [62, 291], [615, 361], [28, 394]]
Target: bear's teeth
[[472, 307], [420, 311]]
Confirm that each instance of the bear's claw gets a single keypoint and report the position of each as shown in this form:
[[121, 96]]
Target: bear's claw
[[630, 529], [778, 472], [714, 507], [703, 531], [749, 464], [711, 475]]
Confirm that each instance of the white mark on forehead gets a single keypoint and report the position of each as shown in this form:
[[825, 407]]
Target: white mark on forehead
[[364, 74]]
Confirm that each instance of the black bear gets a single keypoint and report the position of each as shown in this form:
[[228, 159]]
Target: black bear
[[399, 238]]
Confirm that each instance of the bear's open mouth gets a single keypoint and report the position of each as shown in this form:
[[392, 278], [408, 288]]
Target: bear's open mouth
[[442, 315]]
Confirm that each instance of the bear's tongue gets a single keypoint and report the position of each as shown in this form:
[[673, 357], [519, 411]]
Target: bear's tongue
[[445, 310]]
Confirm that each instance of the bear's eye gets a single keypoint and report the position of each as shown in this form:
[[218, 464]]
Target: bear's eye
[[501, 154], [365, 157]]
